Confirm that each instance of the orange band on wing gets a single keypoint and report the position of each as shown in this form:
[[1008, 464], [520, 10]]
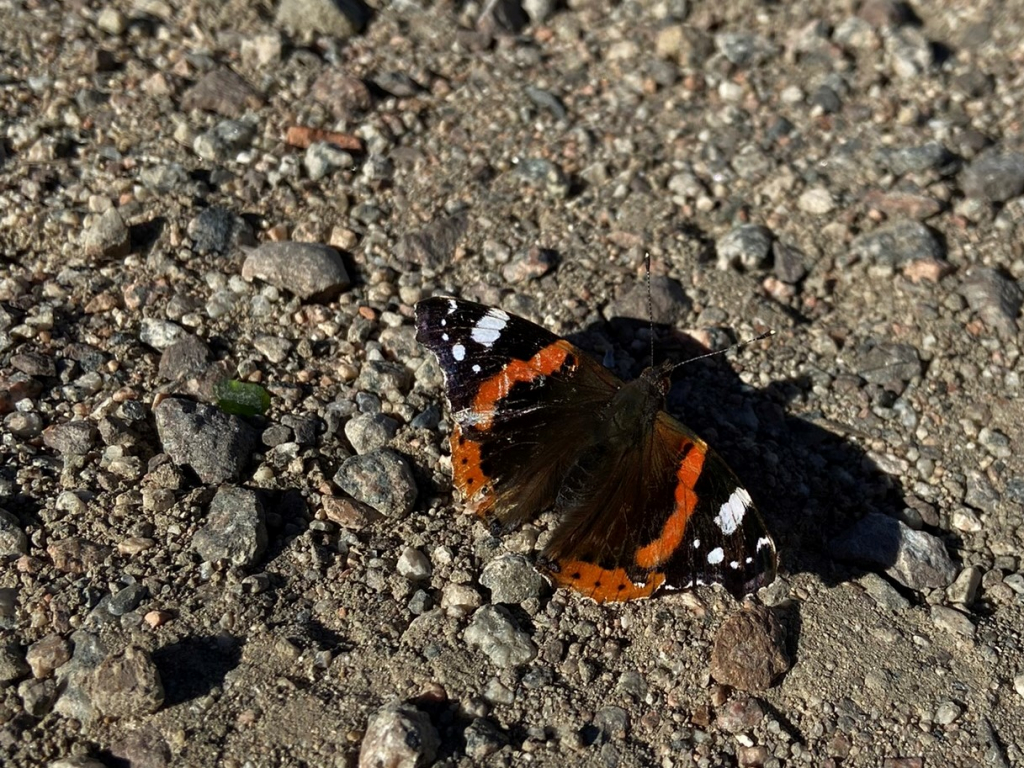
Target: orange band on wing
[[547, 361], [467, 472], [662, 548], [603, 584]]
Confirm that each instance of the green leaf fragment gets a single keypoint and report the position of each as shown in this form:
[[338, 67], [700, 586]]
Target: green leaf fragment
[[241, 398]]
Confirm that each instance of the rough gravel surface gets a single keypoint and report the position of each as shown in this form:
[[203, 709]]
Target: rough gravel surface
[[195, 196]]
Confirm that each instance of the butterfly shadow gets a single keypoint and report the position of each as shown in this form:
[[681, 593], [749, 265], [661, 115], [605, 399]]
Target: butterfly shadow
[[809, 477]]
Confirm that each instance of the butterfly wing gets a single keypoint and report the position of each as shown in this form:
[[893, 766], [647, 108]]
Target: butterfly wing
[[522, 401]]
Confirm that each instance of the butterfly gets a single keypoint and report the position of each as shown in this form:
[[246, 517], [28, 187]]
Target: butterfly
[[641, 502]]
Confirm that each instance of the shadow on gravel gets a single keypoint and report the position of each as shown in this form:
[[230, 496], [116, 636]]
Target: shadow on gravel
[[810, 483], [194, 666]]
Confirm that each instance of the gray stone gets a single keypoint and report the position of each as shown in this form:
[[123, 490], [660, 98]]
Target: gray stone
[[668, 302], [544, 175], [916, 559], [964, 590], [994, 176], [219, 230], [790, 262], [160, 334], [952, 621], [896, 244], [746, 246], [126, 599], [367, 433], [888, 363], [235, 530], [215, 445], [744, 49], [512, 579], [26, 425], [108, 237], [399, 736], [13, 541], [414, 565], [926, 158], [883, 593], [187, 356], [45, 655], [483, 739], [308, 270], [222, 91], [995, 298], [74, 438], [12, 663], [382, 479], [74, 677], [493, 631], [127, 684], [338, 18], [37, 696], [323, 158]]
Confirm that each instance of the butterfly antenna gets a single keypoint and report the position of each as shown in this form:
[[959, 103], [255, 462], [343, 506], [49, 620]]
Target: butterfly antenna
[[650, 301], [731, 347]]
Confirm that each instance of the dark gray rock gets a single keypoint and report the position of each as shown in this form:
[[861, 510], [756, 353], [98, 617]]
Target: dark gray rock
[[668, 302], [382, 479], [994, 176], [368, 432], [896, 244], [916, 559], [75, 438], [235, 530], [187, 356], [434, 245], [888, 363], [215, 445], [12, 663], [994, 297], [218, 230], [790, 262], [483, 739]]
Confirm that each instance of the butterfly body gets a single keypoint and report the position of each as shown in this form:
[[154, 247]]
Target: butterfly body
[[641, 502]]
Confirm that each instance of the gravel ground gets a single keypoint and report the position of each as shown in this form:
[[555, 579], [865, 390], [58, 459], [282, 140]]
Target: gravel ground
[[207, 204]]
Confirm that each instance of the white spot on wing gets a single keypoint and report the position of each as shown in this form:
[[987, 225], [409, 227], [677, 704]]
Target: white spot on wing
[[444, 337], [452, 306], [716, 555], [730, 515], [459, 353], [476, 369], [734, 564], [696, 543], [763, 542], [443, 322], [488, 328]]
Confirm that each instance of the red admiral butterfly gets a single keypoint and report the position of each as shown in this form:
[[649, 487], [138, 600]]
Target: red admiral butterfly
[[642, 502]]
